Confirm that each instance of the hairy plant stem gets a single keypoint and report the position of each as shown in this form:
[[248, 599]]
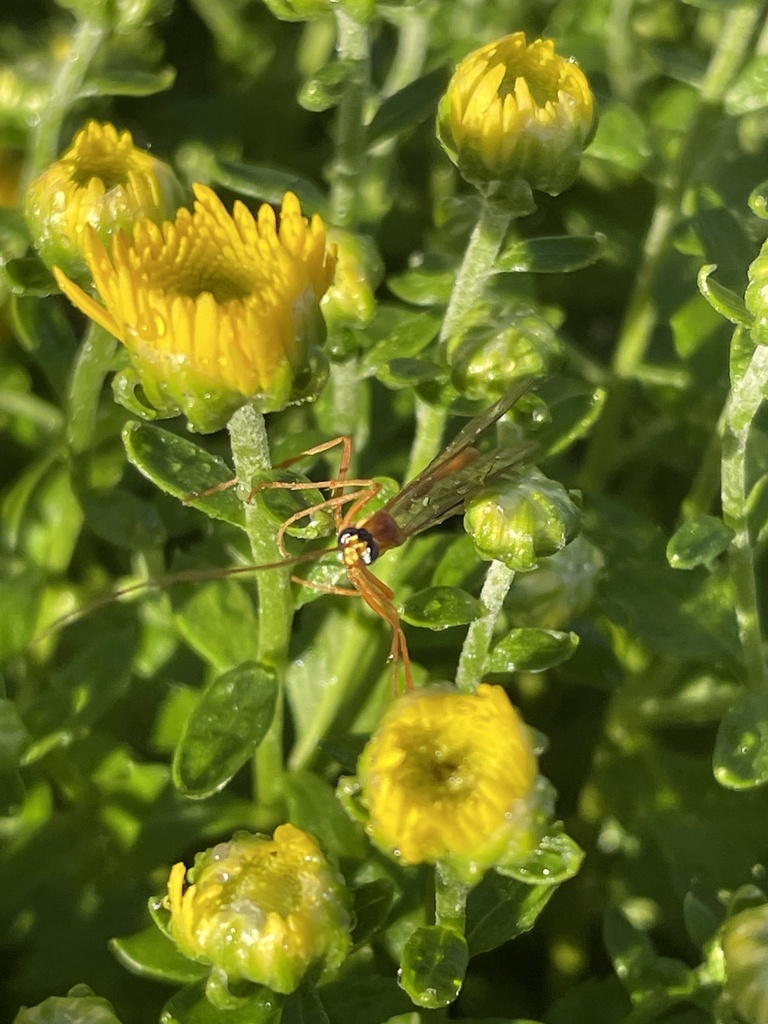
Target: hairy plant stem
[[346, 174], [250, 452], [474, 652], [87, 38], [746, 398], [604, 449]]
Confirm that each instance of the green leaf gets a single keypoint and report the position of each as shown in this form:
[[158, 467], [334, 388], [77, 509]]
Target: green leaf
[[758, 200], [27, 275], [641, 969], [20, 597], [123, 519], [81, 1006], [312, 805], [559, 254], [327, 86], [408, 335], [740, 758], [372, 904], [230, 721], [183, 469], [151, 954], [365, 997], [531, 650], [268, 184], [501, 908], [191, 1006], [45, 333], [572, 409], [699, 541], [14, 233], [556, 859], [441, 607], [724, 301], [750, 90], [408, 373], [219, 622], [621, 139], [429, 284], [130, 82], [412, 105], [433, 966]]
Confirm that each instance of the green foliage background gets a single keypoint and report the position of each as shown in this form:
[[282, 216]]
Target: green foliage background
[[656, 723]]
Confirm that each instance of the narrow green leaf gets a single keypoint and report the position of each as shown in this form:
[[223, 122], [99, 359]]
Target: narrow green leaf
[[740, 758], [726, 302], [27, 275], [532, 650], [13, 735], [230, 721], [433, 966], [429, 284], [412, 105], [699, 541], [304, 1007], [558, 254], [621, 139], [268, 184], [183, 469], [45, 332], [407, 337], [218, 621], [556, 859], [20, 597], [372, 904], [313, 806], [441, 607], [123, 519], [130, 82], [326, 87], [151, 954]]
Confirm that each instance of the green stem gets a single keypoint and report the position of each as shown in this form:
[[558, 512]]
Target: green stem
[[86, 41], [450, 900], [250, 452], [474, 653], [641, 315], [93, 363], [347, 168], [746, 399]]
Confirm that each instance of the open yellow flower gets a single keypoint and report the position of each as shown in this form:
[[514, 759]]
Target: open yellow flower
[[215, 309], [262, 910], [517, 112], [102, 182], [450, 777]]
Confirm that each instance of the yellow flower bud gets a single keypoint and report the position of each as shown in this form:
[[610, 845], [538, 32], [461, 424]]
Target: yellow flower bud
[[261, 910], [517, 114], [449, 777], [103, 182], [359, 272], [216, 310], [745, 948]]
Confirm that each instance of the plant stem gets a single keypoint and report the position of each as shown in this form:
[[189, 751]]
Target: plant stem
[[250, 452], [474, 652], [93, 363], [746, 398], [87, 38], [450, 900], [347, 169], [641, 315]]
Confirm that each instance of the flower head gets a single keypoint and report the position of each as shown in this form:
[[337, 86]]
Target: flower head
[[260, 909], [103, 182], [449, 777], [521, 518], [517, 113], [214, 309]]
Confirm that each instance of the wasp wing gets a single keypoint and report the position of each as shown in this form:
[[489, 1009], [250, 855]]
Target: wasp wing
[[459, 471]]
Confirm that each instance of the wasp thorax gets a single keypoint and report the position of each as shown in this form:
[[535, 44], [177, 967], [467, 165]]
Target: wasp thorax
[[357, 545]]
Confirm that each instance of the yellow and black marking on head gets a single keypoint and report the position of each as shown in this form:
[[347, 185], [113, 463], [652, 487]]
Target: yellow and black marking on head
[[357, 545]]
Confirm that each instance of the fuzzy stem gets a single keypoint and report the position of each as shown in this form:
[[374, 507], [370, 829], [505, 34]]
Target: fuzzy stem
[[347, 169], [474, 652], [87, 38], [746, 399], [250, 452]]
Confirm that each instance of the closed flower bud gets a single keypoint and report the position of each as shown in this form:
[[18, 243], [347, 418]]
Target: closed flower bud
[[449, 778], [359, 271], [261, 910], [216, 310], [519, 519], [102, 183], [745, 948], [486, 359], [517, 115]]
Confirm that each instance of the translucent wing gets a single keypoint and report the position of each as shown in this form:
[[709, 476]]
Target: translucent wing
[[459, 471]]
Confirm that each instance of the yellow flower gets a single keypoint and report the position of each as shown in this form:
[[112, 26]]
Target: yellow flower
[[516, 113], [449, 777], [215, 309], [102, 182], [261, 910]]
